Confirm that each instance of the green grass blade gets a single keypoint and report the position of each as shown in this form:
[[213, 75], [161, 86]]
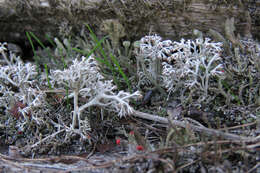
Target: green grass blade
[[32, 35], [37, 39], [50, 40], [30, 40], [105, 57], [47, 75], [120, 71], [34, 52], [65, 65], [88, 54], [67, 98], [95, 39], [100, 48]]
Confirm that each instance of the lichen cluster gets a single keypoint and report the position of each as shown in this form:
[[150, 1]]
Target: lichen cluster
[[211, 83], [27, 108], [199, 73]]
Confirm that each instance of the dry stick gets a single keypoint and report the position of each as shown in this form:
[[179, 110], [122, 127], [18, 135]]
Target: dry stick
[[187, 164], [9, 163], [26, 165], [132, 158], [44, 139], [239, 126], [45, 166], [254, 168], [207, 131]]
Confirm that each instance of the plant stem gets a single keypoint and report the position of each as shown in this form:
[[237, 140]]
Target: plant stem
[[76, 108]]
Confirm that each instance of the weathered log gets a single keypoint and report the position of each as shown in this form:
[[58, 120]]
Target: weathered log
[[169, 18]]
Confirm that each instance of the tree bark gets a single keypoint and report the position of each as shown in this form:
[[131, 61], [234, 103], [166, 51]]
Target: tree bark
[[170, 19]]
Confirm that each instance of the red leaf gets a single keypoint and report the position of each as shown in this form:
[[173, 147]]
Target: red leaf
[[15, 110]]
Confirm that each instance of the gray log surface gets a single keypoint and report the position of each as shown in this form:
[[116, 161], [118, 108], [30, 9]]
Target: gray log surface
[[171, 19]]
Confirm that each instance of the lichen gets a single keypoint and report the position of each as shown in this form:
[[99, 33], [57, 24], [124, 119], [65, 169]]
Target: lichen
[[24, 93]]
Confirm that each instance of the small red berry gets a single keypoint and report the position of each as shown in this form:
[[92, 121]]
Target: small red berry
[[20, 132], [139, 147], [118, 141]]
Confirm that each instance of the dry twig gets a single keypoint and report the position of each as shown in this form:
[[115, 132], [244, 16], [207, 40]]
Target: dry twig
[[204, 130]]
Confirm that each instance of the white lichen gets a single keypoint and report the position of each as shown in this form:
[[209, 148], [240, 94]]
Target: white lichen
[[85, 80], [148, 63], [20, 91], [190, 64], [23, 95], [194, 62]]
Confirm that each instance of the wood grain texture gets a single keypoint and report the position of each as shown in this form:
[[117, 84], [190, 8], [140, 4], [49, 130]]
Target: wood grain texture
[[169, 18]]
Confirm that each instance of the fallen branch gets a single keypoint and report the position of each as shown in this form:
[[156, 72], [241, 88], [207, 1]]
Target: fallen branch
[[204, 130]]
